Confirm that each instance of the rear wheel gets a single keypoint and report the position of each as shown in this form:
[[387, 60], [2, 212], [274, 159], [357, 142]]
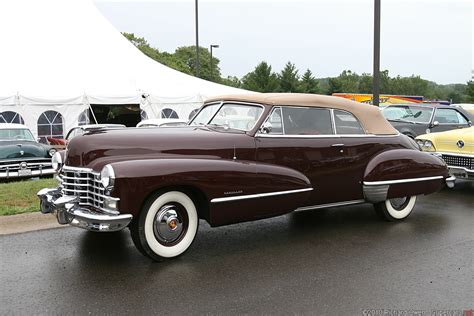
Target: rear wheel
[[395, 209], [166, 226]]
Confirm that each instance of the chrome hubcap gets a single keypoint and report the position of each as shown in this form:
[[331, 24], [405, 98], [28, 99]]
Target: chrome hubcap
[[170, 224], [399, 203]]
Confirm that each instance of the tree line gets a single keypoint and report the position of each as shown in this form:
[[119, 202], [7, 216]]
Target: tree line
[[264, 79]]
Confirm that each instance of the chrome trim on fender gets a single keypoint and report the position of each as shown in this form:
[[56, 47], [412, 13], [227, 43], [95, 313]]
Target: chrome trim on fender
[[315, 207], [368, 183], [258, 195], [260, 135]]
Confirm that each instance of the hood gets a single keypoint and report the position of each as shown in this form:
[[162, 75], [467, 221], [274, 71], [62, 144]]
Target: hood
[[11, 149], [98, 148], [459, 141]]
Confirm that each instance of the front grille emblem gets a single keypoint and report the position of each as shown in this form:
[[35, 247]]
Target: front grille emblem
[[23, 165], [460, 144]]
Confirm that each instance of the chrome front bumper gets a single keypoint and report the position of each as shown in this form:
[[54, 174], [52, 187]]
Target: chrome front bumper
[[6, 174], [67, 211]]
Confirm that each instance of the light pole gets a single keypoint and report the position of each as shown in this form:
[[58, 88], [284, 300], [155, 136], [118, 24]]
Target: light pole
[[212, 68], [376, 72], [197, 36]]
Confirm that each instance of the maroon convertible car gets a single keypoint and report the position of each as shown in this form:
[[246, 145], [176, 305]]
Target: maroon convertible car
[[242, 158]]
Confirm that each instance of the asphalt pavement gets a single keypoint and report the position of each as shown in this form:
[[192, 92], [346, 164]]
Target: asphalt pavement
[[334, 261]]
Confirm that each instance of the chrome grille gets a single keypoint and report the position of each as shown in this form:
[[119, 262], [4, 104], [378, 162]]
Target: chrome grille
[[83, 183], [13, 165], [459, 161]]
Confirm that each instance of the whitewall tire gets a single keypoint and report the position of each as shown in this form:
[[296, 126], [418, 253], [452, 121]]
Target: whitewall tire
[[396, 209], [166, 226]]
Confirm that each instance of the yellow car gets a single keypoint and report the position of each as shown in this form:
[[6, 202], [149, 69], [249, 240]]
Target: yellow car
[[455, 147]]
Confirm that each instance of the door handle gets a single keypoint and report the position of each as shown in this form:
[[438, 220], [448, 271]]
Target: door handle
[[337, 145]]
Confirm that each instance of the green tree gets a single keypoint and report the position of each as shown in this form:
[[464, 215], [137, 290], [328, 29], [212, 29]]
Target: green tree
[[288, 78], [308, 83], [164, 58], [207, 70], [365, 83], [470, 91], [232, 81], [261, 79]]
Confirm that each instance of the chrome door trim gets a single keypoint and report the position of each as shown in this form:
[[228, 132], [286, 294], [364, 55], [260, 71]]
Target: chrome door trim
[[258, 195]]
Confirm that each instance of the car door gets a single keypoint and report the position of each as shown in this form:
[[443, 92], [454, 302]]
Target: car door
[[303, 139], [447, 119]]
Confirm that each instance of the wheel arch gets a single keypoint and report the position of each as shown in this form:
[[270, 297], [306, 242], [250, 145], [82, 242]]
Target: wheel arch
[[195, 194]]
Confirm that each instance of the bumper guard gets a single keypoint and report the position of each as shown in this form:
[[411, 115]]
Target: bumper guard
[[67, 211]]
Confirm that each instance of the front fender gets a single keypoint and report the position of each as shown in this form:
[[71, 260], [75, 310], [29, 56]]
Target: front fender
[[218, 179], [137, 179], [403, 172]]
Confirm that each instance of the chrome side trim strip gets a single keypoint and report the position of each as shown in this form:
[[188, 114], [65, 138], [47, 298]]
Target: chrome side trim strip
[[258, 195], [315, 207], [402, 181], [324, 136]]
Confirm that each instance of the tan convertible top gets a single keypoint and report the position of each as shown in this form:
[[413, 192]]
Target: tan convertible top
[[370, 116]]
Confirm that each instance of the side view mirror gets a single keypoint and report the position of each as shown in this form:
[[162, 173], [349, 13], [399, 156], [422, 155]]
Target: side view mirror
[[435, 123], [469, 123], [266, 128]]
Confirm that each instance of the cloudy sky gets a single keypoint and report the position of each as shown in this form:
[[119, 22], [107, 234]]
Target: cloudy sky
[[431, 38]]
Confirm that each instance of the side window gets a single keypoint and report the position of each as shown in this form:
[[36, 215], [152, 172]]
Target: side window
[[449, 116], [275, 120], [306, 121], [347, 124]]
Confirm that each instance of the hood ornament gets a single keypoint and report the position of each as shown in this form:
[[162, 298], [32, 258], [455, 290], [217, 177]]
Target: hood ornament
[[22, 152], [460, 144]]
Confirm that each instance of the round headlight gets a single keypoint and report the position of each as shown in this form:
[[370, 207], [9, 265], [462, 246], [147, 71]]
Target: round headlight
[[52, 151], [107, 176], [56, 161]]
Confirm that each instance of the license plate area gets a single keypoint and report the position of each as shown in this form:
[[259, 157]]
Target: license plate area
[[24, 172]]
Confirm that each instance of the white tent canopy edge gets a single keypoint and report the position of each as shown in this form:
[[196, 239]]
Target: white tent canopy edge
[[63, 55]]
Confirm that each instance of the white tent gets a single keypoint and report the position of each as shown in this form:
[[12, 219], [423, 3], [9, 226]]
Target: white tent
[[63, 55]]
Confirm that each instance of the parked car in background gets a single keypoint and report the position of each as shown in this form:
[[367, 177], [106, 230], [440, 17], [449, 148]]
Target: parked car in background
[[21, 155], [455, 147], [241, 158], [162, 123], [469, 107], [79, 130], [414, 120]]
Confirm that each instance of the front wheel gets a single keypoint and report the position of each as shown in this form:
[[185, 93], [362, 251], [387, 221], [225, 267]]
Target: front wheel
[[395, 209], [166, 226]]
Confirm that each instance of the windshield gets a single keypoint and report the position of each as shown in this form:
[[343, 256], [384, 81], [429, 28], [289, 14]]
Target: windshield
[[230, 115], [16, 134], [203, 117], [414, 114]]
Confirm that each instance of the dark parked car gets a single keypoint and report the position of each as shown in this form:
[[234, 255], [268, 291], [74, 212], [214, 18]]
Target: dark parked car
[[79, 130], [415, 120], [21, 156], [242, 158]]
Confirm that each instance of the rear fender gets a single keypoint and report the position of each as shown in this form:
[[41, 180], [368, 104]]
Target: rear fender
[[403, 172]]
